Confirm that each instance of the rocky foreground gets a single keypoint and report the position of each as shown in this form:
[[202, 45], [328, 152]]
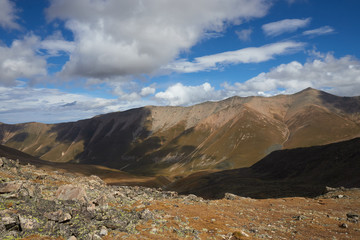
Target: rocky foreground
[[38, 204]]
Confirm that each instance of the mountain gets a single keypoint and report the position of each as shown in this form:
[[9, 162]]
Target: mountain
[[233, 133], [283, 173], [108, 175]]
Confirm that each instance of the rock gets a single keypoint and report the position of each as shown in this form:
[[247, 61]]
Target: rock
[[58, 216], [238, 235], [27, 190], [27, 223], [103, 231], [230, 196], [71, 192], [352, 217], [299, 218], [9, 187], [193, 197], [330, 189], [101, 201], [11, 223], [72, 238], [1, 162], [146, 214], [343, 225], [96, 237], [93, 179], [116, 224]]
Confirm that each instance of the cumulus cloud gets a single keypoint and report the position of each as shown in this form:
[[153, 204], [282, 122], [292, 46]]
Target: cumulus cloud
[[8, 15], [146, 91], [21, 61], [119, 38], [284, 26], [244, 35], [319, 31], [340, 76], [246, 55], [179, 94]]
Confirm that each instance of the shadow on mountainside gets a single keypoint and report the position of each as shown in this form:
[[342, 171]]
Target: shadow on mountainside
[[110, 176], [301, 172], [349, 105], [107, 138]]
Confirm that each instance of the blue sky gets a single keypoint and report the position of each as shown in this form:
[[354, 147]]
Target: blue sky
[[65, 60]]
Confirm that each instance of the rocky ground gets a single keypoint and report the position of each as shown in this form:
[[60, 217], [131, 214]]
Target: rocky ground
[[39, 204]]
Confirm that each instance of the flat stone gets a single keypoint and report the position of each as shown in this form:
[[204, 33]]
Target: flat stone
[[27, 223], [9, 187], [71, 192], [58, 216]]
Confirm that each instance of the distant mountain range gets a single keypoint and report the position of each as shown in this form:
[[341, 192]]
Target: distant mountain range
[[233, 133]]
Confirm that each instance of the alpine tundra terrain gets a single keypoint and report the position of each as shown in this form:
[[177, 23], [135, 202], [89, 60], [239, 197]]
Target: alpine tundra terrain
[[45, 204], [176, 141]]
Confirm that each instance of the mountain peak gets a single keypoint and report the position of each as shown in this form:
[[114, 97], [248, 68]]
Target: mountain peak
[[310, 90]]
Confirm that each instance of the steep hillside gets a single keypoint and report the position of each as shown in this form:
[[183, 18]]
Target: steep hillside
[[283, 173], [233, 133], [108, 175]]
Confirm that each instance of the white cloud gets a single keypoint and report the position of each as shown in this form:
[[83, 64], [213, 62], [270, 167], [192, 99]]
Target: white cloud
[[21, 61], [119, 38], [284, 26], [19, 104], [179, 94], [244, 35], [146, 91], [8, 15], [55, 45], [319, 31], [246, 55], [339, 76]]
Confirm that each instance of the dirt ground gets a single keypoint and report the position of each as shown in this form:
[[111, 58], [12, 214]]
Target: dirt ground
[[326, 217]]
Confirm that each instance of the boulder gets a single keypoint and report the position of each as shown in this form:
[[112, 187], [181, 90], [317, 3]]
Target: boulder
[[11, 223], [9, 187], [27, 223], [71, 192]]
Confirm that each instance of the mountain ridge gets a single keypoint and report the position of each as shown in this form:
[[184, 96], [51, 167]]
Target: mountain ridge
[[231, 133]]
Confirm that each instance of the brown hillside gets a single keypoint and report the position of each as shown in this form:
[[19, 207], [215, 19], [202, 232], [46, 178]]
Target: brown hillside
[[236, 132], [284, 173]]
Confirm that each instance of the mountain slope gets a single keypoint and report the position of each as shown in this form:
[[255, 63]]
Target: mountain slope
[[108, 175], [283, 173], [236, 132]]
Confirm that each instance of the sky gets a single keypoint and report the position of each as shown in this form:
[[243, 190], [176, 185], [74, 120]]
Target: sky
[[65, 60]]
